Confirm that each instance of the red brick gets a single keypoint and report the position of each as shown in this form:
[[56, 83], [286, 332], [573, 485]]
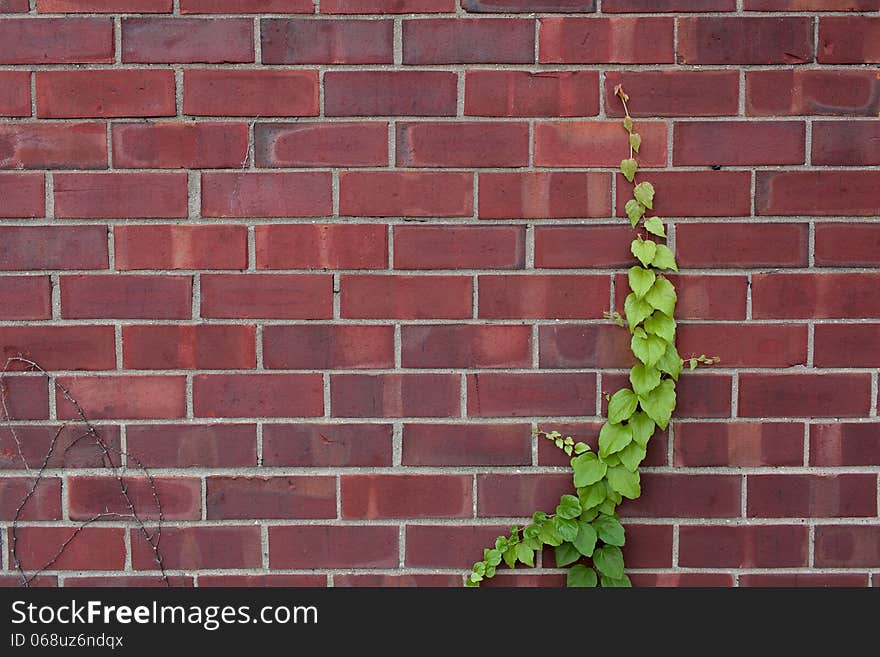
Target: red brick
[[467, 444], [23, 194], [448, 546], [126, 297], [812, 496], [466, 144], [739, 40], [104, 6], [14, 7], [200, 548], [528, 6], [15, 93], [738, 444], [746, 345], [180, 498], [583, 247], [847, 244], [387, 6], [848, 40], [648, 546], [406, 496], [847, 345], [617, 40], [675, 93], [844, 443], [128, 581], [544, 195], [695, 193], [128, 195], [348, 144], [182, 347], [327, 445], [595, 144], [53, 247], [672, 6], [390, 93], [270, 497], [92, 548], [846, 143], [187, 40], [585, 345], [681, 580], [738, 143], [811, 5], [777, 546], [229, 92], [459, 247], [519, 395], [687, 496], [469, 41], [25, 297], [105, 93], [395, 395], [815, 296], [61, 347], [53, 146], [71, 449], [328, 346], [262, 581], [543, 296], [804, 395], [247, 7], [337, 41], [56, 40], [177, 246], [847, 547], [275, 296], [192, 445], [258, 395], [322, 246], [173, 145], [397, 581], [699, 394], [810, 580], [333, 546], [10, 581], [817, 193], [588, 432], [801, 92], [406, 297], [466, 346], [124, 397], [27, 398], [520, 495], [289, 194], [745, 245], [43, 501], [523, 93], [406, 193]]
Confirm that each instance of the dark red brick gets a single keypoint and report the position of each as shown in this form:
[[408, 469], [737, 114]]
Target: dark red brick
[[848, 40], [817, 193], [695, 193], [844, 443], [523, 93], [56, 40], [685, 93], [811, 496], [327, 347], [71, 450], [329, 546], [583, 247], [395, 395], [187, 40], [406, 193], [327, 445], [197, 548], [192, 445], [182, 347], [258, 395], [124, 195], [15, 93], [126, 296], [847, 345], [266, 194], [105, 93], [584, 345], [386, 6], [686, 496], [459, 247], [448, 546], [804, 395], [841, 546], [465, 346], [180, 498], [738, 143], [60, 347], [406, 496], [810, 580], [262, 581], [543, 296], [322, 246], [277, 296], [815, 296], [308, 144], [406, 297], [745, 245], [53, 146], [544, 195], [617, 40], [270, 497], [390, 93], [749, 345], [542, 394], [595, 144], [124, 397], [739, 40], [175, 246], [801, 92], [247, 7], [173, 145], [503, 495], [775, 546], [230, 92], [466, 444], [53, 247], [465, 144], [386, 581], [337, 41], [469, 41], [23, 194], [92, 548], [43, 498], [842, 244]]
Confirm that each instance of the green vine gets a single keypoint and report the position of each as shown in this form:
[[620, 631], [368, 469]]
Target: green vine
[[586, 525]]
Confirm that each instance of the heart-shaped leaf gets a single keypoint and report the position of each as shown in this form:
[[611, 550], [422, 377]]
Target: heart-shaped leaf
[[635, 140], [660, 402], [661, 325], [624, 482], [628, 124], [609, 560], [654, 226], [585, 541], [609, 530], [635, 211], [569, 507], [632, 455], [588, 469], [636, 310], [592, 495], [647, 348], [613, 438], [670, 362], [664, 259], [641, 280], [566, 554], [581, 576], [628, 168], [644, 379], [642, 428], [616, 582], [622, 405], [644, 193], [662, 296], [644, 250]]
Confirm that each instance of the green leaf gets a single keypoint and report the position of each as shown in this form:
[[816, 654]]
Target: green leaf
[[493, 557], [644, 250], [549, 535], [510, 556], [628, 168], [567, 529], [644, 193], [589, 514], [471, 582], [609, 560], [607, 507], [632, 456], [591, 495], [647, 348], [490, 571], [644, 379], [609, 529], [613, 438], [635, 211], [654, 226], [641, 280], [585, 542], [622, 405], [642, 427], [624, 482], [671, 362], [538, 517], [662, 325], [580, 448], [662, 296], [619, 582], [628, 124], [569, 507], [566, 554], [581, 576], [635, 140], [525, 554], [479, 568], [588, 469], [660, 402], [664, 258], [636, 310]]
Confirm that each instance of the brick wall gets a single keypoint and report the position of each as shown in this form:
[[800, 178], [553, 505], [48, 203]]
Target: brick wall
[[323, 267]]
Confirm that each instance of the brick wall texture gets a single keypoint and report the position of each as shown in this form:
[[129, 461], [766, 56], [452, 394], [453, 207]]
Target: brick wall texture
[[324, 266]]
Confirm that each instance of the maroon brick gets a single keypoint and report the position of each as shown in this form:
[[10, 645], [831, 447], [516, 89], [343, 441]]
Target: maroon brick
[[173, 145], [247, 7], [104, 6], [406, 496], [846, 143], [289, 194], [71, 450], [804, 395], [755, 345], [812, 496], [617, 40], [466, 144], [92, 548], [260, 581], [745, 245], [672, 6], [390, 93], [502, 495], [406, 297], [466, 444], [53, 146], [542, 296], [595, 144], [584, 345], [811, 5], [229, 92], [696, 193], [197, 548], [395, 395], [681, 580], [192, 445], [844, 443], [258, 395], [518, 395], [528, 6], [738, 143], [584, 247], [466, 346], [15, 93], [847, 345], [544, 195], [386, 7], [448, 546], [322, 246], [327, 445], [128, 581], [24, 195], [105, 93], [701, 296], [811, 580], [685, 93], [687, 496], [180, 498], [329, 546], [126, 195], [187, 40], [406, 193], [775, 546], [180, 247], [327, 347], [386, 581], [800, 92], [126, 297], [281, 296], [841, 244], [848, 40], [337, 41], [124, 397], [815, 296], [698, 395], [469, 41], [43, 499], [523, 93], [841, 546], [738, 40], [53, 247], [308, 144], [459, 247], [60, 347], [182, 347], [818, 193], [270, 497], [56, 40]]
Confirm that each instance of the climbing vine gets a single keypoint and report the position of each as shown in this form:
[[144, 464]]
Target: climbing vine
[[585, 525]]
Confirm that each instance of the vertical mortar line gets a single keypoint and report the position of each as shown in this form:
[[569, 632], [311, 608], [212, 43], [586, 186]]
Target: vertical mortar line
[[194, 194], [401, 546], [670, 445], [110, 145], [389, 244], [815, 24], [460, 78], [675, 40], [734, 394], [463, 400], [811, 244], [189, 397], [749, 296], [536, 346], [675, 546], [33, 85], [117, 39], [744, 496], [338, 496], [614, 194], [65, 491], [118, 346], [325, 379], [474, 494], [476, 199], [601, 114], [398, 41], [392, 144], [259, 444], [252, 248], [123, 446], [178, 91], [196, 295], [599, 393], [741, 109], [111, 247], [175, 8], [811, 342], [55, 282], [531, 123], [873, 411], [808, 142], [258, 346], [398, 347], [334, 182], [203, 483], [264, 544], [811, 547], [530, 247], [337, 296], [127, 539], [397, 444], [53, 415], [806, 444], [476, 297], [537, 53], [4, 561], [534, 444], [258, 44], [50, 196]]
